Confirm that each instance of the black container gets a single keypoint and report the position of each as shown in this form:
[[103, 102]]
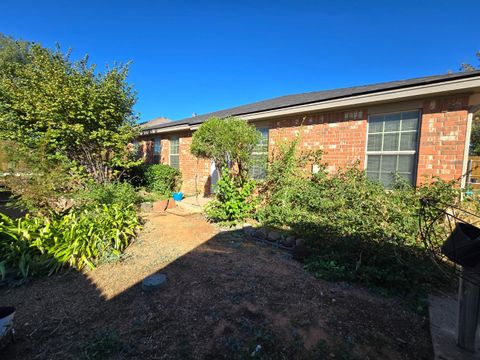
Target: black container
[[463, 245]]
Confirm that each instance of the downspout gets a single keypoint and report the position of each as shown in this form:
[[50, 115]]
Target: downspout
[[466, 149]]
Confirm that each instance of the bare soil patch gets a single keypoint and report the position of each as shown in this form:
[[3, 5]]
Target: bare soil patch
[[226, 298]]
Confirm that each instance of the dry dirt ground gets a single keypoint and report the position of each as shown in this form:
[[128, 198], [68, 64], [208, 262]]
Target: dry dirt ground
[[227, 297]]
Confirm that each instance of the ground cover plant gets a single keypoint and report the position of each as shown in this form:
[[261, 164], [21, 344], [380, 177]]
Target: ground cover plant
[[33, 245]]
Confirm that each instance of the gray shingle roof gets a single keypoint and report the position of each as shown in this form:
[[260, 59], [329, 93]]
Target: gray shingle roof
[[152, 124], [317, 96]]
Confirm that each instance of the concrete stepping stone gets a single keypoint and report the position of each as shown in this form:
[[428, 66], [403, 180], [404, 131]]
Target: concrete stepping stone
[[154, 282]]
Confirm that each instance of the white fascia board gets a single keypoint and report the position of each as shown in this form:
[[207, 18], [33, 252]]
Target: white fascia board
[[166, 130], [384, 96]]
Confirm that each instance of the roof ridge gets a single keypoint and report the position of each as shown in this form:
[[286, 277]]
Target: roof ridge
[[315, 96]]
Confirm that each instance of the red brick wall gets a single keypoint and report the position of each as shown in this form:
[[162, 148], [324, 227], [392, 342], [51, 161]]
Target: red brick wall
[[342, 136], [343, 142], [442, 139], [195, 172]]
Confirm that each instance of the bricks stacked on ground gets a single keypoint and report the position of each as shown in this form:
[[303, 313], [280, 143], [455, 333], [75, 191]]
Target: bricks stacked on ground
[[342, 135]]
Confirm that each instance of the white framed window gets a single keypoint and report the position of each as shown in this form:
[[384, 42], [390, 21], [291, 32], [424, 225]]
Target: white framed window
[[258, 168], [174, 152], [157, 150], [392, 145]]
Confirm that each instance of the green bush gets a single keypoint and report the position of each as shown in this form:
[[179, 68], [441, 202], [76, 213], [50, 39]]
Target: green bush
[[355, 228], [32, 245], [163, 179], [229, 143], [135, 175], [233, 201], [121, 193]]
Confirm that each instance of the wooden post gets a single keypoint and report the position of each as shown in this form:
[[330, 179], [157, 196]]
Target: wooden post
[[468, 308]]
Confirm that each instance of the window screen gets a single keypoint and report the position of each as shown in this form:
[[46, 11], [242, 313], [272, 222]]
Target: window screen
[[260, 157], [392, 146], [174, 152], [157, 150]]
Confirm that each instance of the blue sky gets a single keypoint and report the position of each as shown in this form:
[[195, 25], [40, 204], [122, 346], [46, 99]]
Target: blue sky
[[202, 56]]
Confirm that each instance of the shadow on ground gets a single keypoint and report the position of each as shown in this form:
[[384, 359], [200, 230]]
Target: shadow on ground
[[228, 298]]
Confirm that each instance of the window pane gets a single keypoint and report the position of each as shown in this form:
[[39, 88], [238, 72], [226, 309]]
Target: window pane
[[157, 146], [389, 163], [410, 120], [174, 161], [409, 124], [390, 142], [174, 146], [264, 132], [374, 176], [260, 156], [408, 141], [399, 139], [405, 163], [392, 122], [375, 124], [374, 142], [373, 163], [387, 180], [407, 177]]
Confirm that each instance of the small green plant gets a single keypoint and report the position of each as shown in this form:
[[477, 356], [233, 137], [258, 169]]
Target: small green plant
[[163, 179], [151, 196], [31, 245], [103, 345], [121, 193], [233, 201]]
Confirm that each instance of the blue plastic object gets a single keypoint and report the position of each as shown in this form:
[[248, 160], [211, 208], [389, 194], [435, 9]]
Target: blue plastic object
[[178, 196]]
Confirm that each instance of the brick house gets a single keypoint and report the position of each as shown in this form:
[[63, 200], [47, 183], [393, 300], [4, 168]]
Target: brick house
[[418, 128]]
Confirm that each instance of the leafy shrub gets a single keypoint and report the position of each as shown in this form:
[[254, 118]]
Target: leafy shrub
[[228, 142], [356, 230], [163, 179], [233, 201], [121, 193], [135, 175], [40, 184], [34, 244]]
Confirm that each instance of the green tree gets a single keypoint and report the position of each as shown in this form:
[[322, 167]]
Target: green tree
[[470, 67], [228, 142], [12, 50], [77, 115]]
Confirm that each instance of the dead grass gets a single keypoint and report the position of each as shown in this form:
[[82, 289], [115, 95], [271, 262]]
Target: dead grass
[[226, 298]]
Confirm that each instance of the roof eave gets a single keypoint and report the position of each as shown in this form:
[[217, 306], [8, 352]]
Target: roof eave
[[467, 84], [401, 94]]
